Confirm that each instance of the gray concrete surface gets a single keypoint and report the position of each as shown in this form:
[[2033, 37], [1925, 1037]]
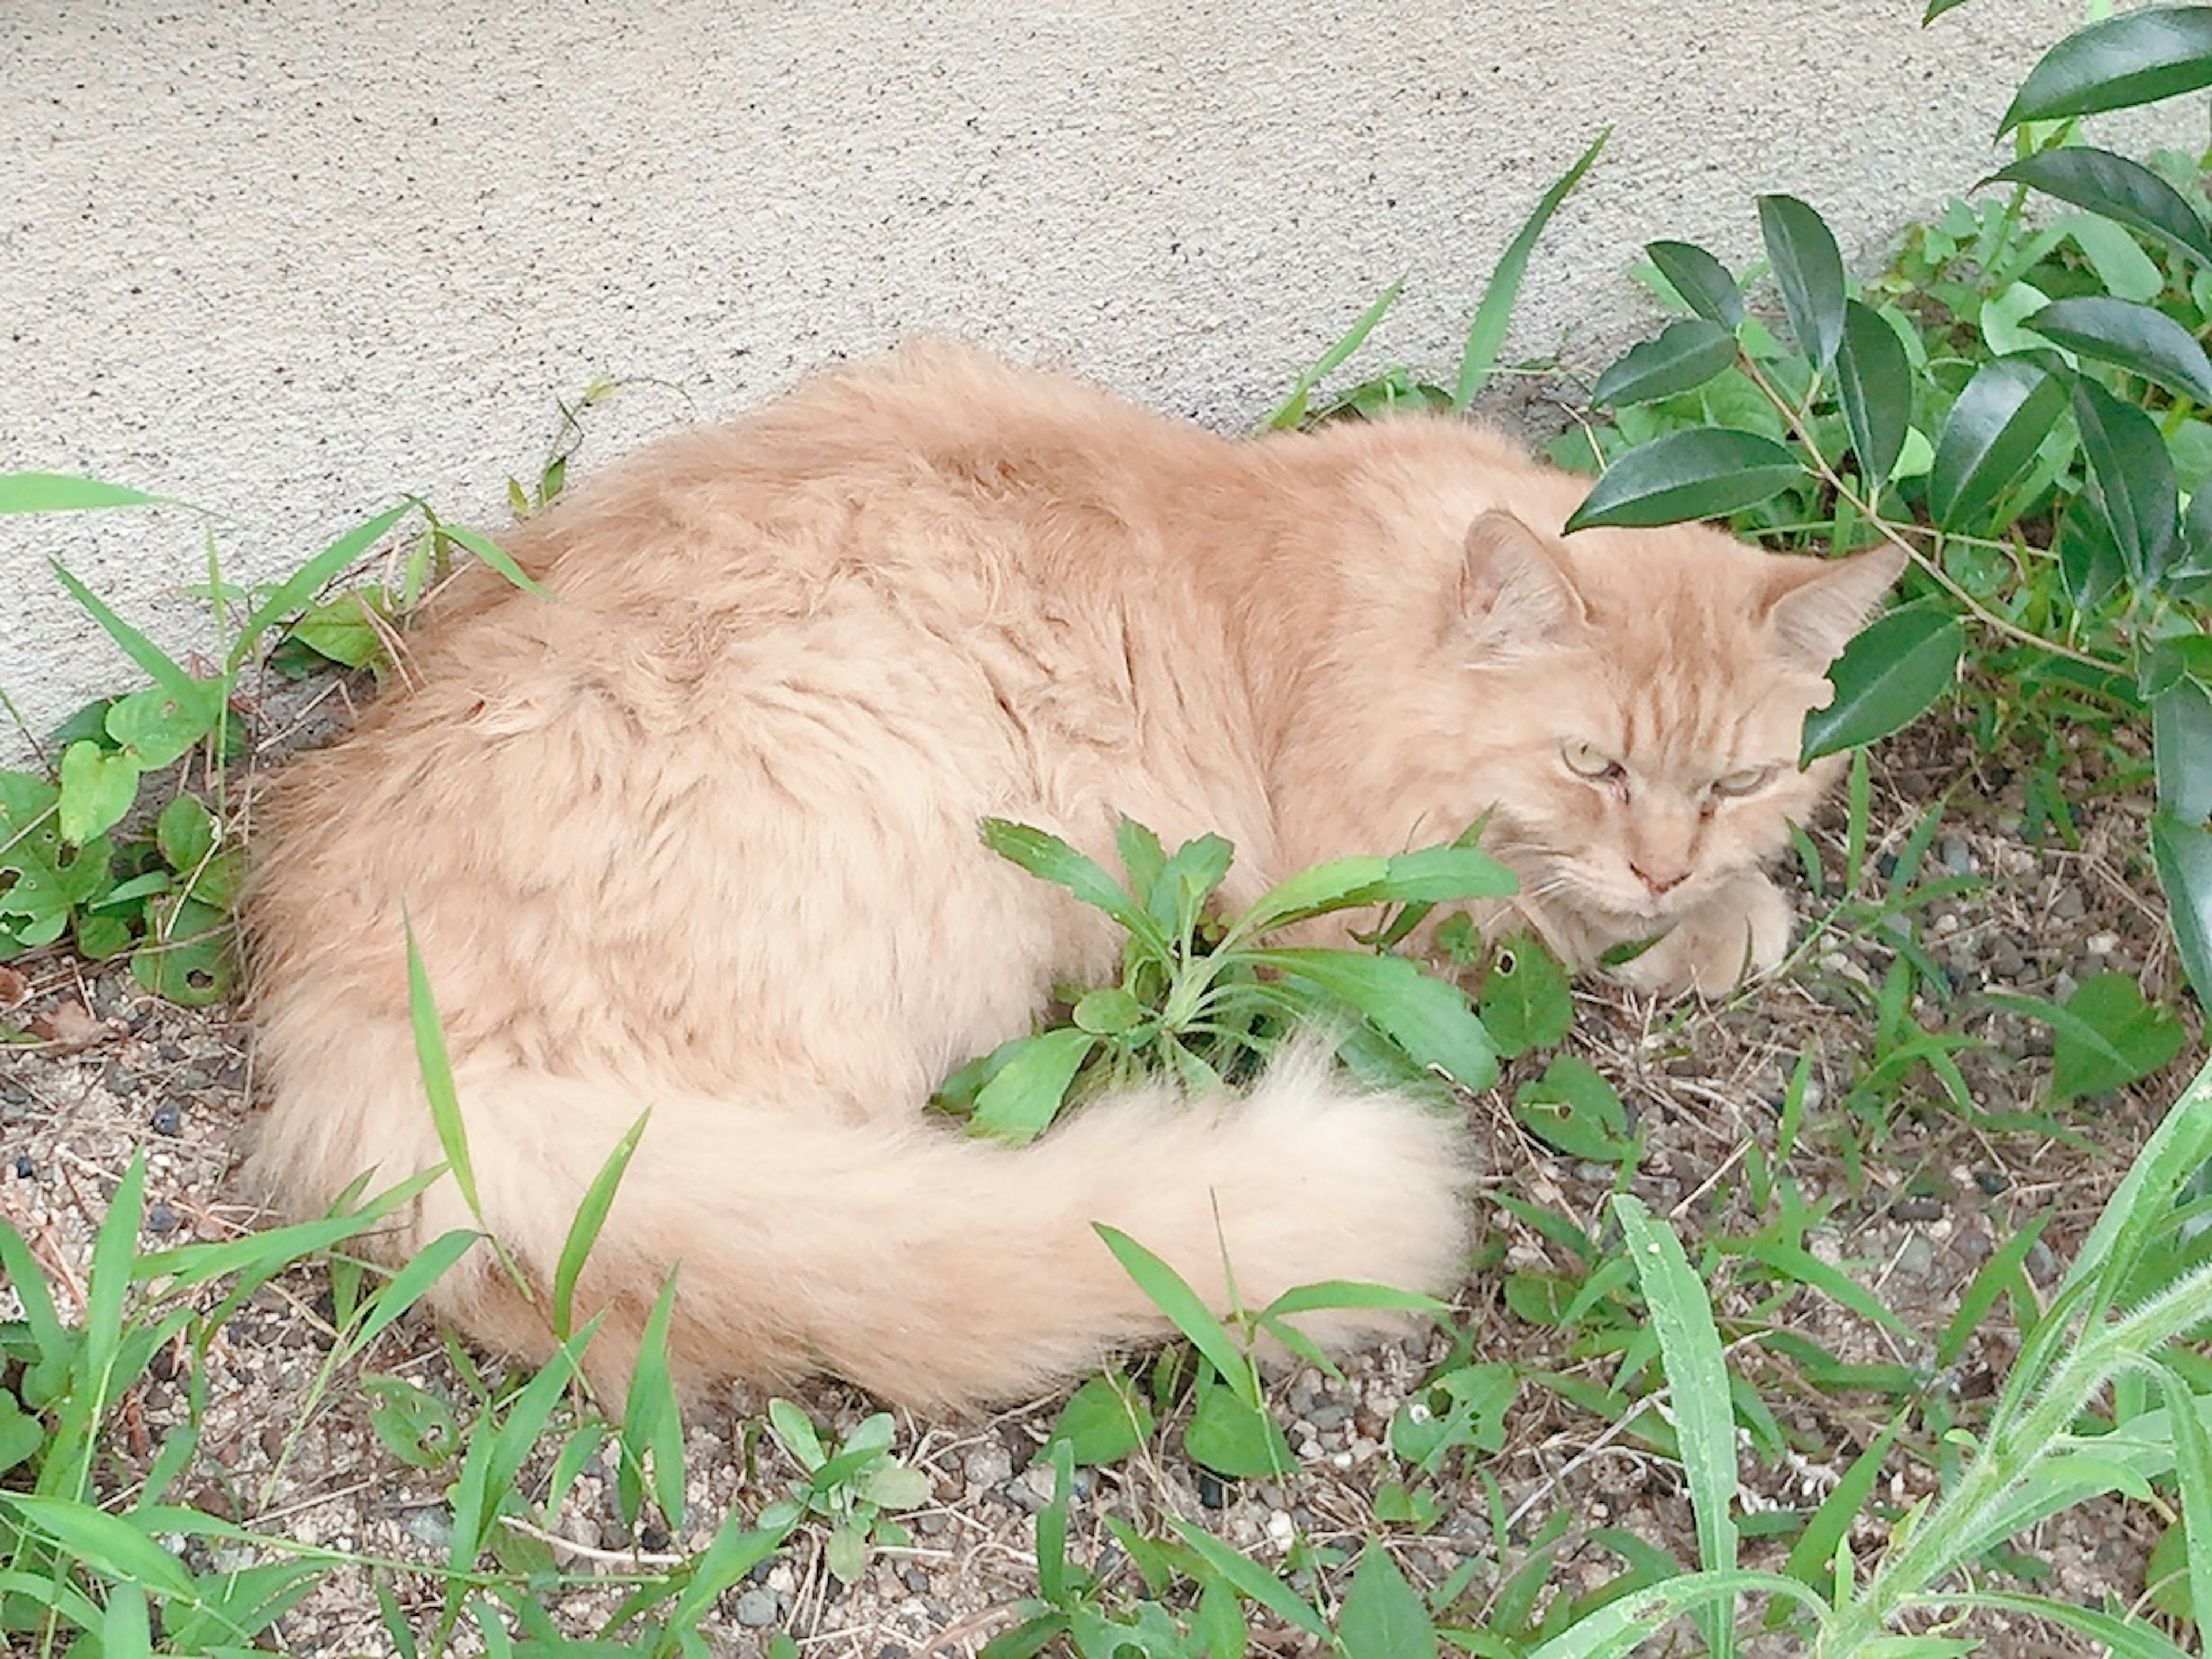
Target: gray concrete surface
[[285, 260]]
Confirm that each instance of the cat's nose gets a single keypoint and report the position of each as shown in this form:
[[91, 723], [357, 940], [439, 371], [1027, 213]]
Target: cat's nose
[[1661, 879]]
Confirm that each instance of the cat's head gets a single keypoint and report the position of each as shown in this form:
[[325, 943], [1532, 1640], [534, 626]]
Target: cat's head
[[1644, 691]]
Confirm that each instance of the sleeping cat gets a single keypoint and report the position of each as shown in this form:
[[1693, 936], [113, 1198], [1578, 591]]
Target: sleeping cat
[[697, 833]]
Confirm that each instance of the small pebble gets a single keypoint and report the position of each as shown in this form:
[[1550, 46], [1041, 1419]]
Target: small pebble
[[168, 1118], [160, 1219], [1211, 1492], [117, 1080], [24, 1167], [756, 1609], [987, 1465]]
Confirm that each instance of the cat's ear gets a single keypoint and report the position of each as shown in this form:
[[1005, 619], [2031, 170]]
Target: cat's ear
[[1818, 606], [1513, 590]]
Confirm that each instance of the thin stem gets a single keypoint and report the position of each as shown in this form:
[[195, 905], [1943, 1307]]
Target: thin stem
[[1890, 533]]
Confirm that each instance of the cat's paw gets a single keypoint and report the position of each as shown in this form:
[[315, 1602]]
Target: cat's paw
[[1739, 933]]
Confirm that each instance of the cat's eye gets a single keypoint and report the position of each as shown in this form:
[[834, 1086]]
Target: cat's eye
[[1587, 761], [1744, 780]]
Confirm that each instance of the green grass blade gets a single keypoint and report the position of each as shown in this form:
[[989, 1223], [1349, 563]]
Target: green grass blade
[[162, 669], [108, 1543], [1172, 1295], [584, 1230], [67, 492], [1698, 1388], [413, 1281], [494, 555], [294, 592], [1251, 1580], [2123, 1637], [652, 1421], [438, 1077], [1619, 1627], [2192, 1470], [1292, 409], [1485, 333]]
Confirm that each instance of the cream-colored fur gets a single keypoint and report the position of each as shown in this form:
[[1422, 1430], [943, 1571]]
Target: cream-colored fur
[[698, 834]]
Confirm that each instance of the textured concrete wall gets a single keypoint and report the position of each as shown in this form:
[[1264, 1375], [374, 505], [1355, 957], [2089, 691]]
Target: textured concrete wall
[[286, 259]]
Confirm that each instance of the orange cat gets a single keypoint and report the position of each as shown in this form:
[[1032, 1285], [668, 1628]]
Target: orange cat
[[698, 832]]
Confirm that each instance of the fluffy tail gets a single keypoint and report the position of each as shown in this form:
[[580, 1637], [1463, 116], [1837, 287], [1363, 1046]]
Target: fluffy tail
[[932, 1269]]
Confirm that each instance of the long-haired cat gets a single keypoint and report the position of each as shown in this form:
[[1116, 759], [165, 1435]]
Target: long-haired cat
[[697, 833]]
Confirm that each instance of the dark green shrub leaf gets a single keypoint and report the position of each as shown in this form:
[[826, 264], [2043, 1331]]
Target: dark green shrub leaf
[[1700, 473], [64, 492], [1427, 1017], [2088, 559], [2136, 489], [98, 787], [1702, 281], [2140, 339], [1889, 674], [1992, 433], [1105, 1420], [2181, 842], [1383, 1617], [1573, 1107], [1525, 1001], [1018, 1102], [1685, 354], [2137, 58], [1936, 8], [1874, 382], [1234, 1438], [1809, 271], [2120, 189]]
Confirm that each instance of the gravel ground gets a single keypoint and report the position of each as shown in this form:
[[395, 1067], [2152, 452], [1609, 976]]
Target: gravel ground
[[1924, 1199]]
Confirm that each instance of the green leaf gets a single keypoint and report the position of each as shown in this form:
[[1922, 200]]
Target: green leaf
[[1994, 429], [1936, 8], [98, 788], [2103, 1036], [185, 832], [795, 1431], [1428, 1019], [156, 725], [1526, 1001], [1110, 1010], [1809, 270], [1697, 1389], [2139, 338], [1573, 1107], [1702, 282], [2119, 189], [2137, 58], [1018, 1102], [65, 492], [1685, 354], [1383, 1617], [1893, 672], [1703, 472], [2136, 489], [1235, 1437], [1812, 1555], [1185, 1310], [2192, 1467], [1873, 383], [1105, 1420], [2182, 851], [1485, 330], [1048, 858], [1292, 409]]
